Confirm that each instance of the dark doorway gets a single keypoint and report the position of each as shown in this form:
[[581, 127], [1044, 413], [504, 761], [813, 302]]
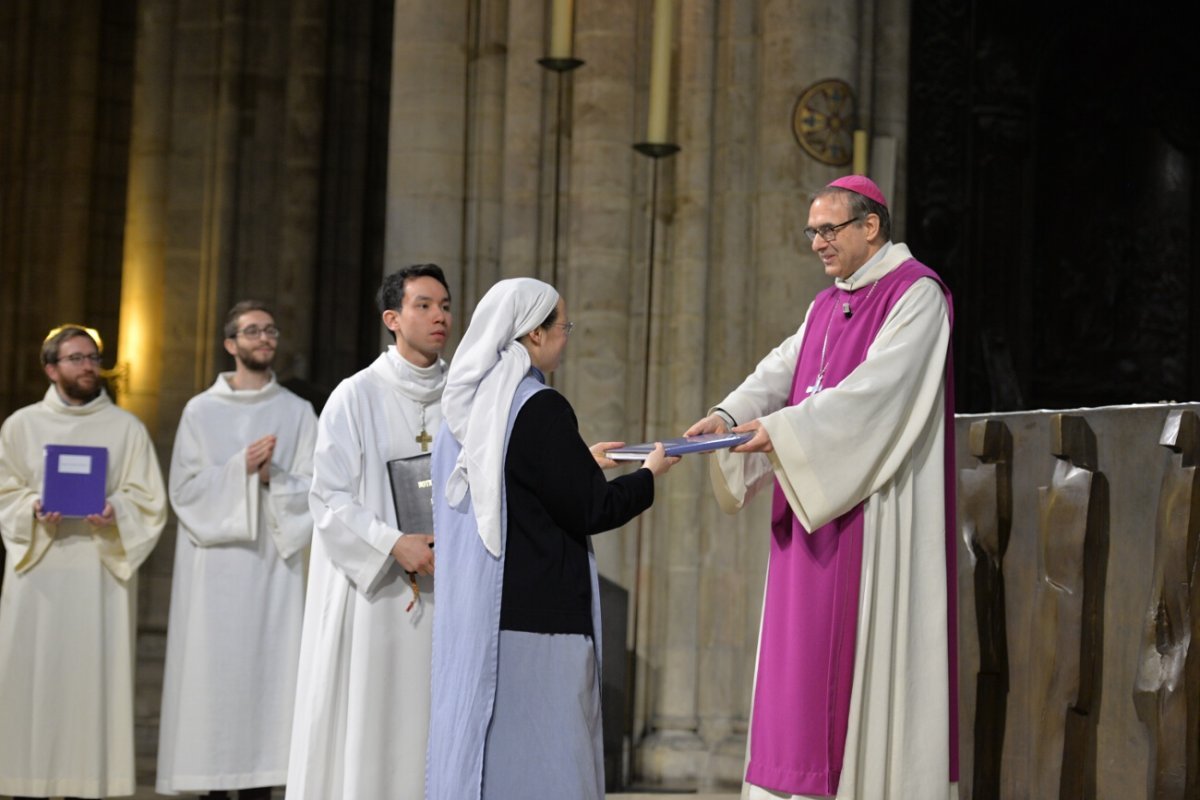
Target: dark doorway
[[1053, 182]]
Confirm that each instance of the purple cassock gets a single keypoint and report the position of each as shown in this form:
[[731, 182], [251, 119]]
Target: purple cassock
[[806, 652]]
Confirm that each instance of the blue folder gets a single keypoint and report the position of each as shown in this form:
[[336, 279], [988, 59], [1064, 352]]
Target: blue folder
[[681, 445], [75, 478]]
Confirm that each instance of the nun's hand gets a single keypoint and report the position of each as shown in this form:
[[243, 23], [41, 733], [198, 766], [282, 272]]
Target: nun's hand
[[658, 462], [600, 448]]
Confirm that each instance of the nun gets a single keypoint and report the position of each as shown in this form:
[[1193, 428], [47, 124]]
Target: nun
[[515, 707]]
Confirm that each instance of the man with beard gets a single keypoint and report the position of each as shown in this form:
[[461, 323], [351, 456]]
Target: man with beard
[[240, 475], [68, 610], [362, 704]]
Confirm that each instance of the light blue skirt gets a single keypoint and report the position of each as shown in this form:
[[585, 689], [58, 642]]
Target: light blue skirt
[[545, 737]]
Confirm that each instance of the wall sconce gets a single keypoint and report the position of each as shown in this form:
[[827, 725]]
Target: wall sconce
[[118, 378]]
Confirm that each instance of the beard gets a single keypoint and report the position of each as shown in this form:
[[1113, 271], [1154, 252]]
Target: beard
[[254, 361], [84, 388]]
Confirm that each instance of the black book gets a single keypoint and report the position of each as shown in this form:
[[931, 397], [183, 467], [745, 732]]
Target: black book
[[412, 493]]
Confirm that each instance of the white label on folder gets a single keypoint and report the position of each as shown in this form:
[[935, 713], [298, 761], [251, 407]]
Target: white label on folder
[[74, 464]]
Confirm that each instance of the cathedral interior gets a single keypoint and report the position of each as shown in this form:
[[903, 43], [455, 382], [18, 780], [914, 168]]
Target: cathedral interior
[[163, 159]]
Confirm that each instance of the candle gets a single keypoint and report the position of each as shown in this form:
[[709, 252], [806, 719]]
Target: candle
[[562, 18], [660, 72], [860, 152]]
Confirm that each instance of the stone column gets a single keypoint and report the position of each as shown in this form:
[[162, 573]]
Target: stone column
[[733, 548], [527, 150], [202, 209], [602, 271], [340, 104], [292, 281], [178, 229], [488, 76], [142, 275], [674, 750], [140, 346], [426, 167]]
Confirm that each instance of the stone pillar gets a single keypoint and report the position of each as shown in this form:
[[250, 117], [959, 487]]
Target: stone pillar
[[299, 128], [142, 275], [208, 47], [602, 275], [484, 208], [179, 231], [340, 115], [527, 150], [140, 346], [674, 750], [734, 547], [426, 165]]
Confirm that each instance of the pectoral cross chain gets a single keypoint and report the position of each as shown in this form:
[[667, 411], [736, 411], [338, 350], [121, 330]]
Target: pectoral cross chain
[[423, 438]]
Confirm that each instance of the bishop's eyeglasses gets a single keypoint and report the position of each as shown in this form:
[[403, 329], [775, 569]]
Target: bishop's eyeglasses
[[827, 232]]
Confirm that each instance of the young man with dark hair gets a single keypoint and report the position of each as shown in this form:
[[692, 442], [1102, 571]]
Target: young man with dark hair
[[362, 705]]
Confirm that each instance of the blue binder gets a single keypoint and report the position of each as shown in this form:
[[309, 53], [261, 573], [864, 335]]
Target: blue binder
[[681, 445], [75, 478]]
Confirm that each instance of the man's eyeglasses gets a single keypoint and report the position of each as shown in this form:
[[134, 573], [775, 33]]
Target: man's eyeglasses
[[77, 359], [827, 232], [255, 332], [566, 326]]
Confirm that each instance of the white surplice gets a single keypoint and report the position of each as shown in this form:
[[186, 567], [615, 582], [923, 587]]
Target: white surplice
[[362, 704], [237, 595], [68, 610], [877, 438]]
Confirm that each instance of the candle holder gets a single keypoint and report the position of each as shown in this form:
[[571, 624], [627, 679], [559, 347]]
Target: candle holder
[[561, 64], [656, 150], [118, 377], [560, 67]]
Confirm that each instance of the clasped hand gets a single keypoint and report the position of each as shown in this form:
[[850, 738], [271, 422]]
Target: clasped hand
[[258, 457]]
